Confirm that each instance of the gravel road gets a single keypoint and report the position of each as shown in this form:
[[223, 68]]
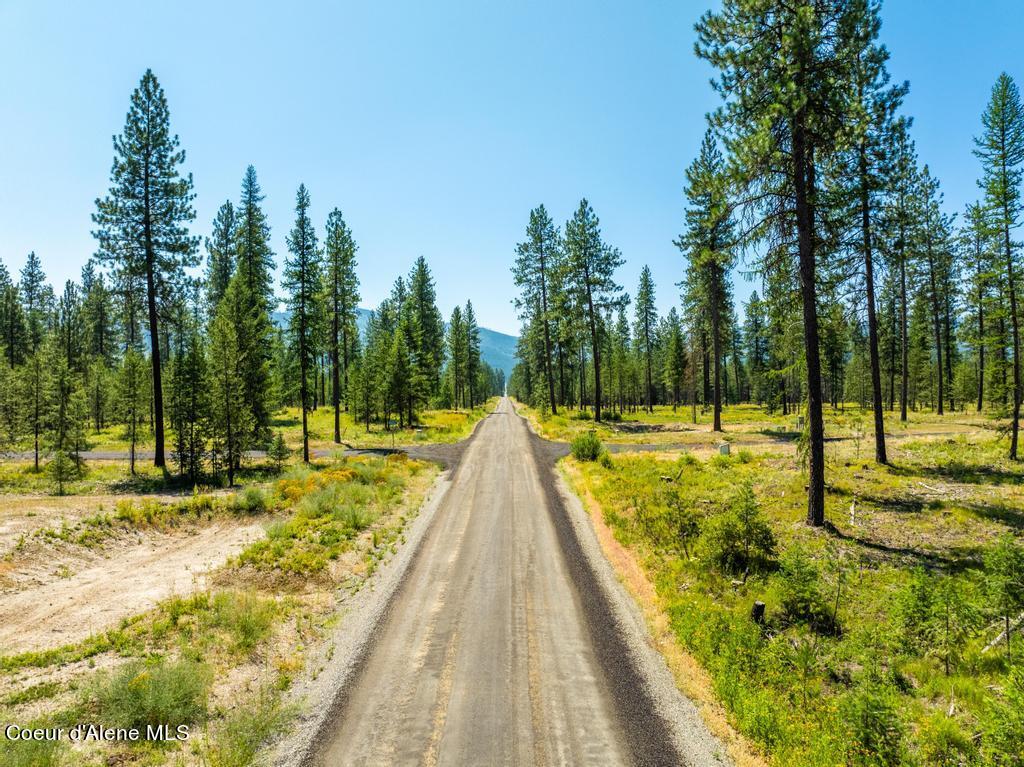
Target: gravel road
[[507, 640]]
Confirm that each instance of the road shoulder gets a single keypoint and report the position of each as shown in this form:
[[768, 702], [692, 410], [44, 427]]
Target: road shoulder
[[334, 667], [682, 689]]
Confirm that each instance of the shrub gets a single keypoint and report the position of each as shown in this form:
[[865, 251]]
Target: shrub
[[683, 519], [875, 730], [944, 744], [582, 415], [1004, 574], [354, 518], [245, 616], [278, 452], [251, 500], [141, 694], [606, 460], [802, 600], [914, 606], [63, 469], [740, 540], [586, 447], [1004, 722], [237, 740]]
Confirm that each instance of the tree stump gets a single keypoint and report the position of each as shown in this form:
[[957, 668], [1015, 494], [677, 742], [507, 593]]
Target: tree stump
[[757, 612]]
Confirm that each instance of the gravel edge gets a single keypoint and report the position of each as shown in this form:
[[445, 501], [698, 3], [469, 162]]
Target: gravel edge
[[697, 745], [339, 658]]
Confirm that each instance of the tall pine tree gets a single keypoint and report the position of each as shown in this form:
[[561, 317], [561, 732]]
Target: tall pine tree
[[142, 224], [302, 281]]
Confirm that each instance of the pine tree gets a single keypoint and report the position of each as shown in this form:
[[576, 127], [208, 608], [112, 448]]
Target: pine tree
[[979, 253], [1001, 150], [867, 164], [302, 280], [457, 355], [708, 244], [278, 452], [646, 320], [189, 405], [14, 336], [69, 326], [428, 347], [756, 347], [473, 363], [98, 316], [400, 387], [784, 76], [590, 267], [674, 370], [256, 268], [536, 258], [131, 399], [342, 288], [221, 255], [33, 289], [142, 224], [936, 253], [230, 414]]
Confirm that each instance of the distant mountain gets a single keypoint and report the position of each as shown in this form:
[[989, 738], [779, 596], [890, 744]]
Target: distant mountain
[[497, 349]]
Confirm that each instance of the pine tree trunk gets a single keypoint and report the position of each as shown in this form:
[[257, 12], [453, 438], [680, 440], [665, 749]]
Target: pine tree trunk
[[1015, 326], [154, 335], [804, 188], [904, 381], [936, 325], [869, 285], [947, 327], [716, 333], [981, 347], [335, 373]]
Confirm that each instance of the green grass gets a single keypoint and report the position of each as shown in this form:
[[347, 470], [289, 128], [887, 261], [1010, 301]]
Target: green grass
[[741, 423], [331, 508], [434, 426], [155, 513], [22, 753], [113, 476], [236, 741], [143, 693], [863, 683], [171, 658]]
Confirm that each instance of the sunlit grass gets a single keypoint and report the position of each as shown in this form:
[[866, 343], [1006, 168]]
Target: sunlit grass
[[807, 696]]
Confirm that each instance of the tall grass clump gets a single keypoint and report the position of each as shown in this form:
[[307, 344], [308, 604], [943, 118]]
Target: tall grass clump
[[151, 693], [251, 500], [245, 616], [586, 446], [237, 740]]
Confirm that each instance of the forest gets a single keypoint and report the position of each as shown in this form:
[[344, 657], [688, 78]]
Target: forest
[[872, 295], [844, 606], [183, 351], [797, 457]]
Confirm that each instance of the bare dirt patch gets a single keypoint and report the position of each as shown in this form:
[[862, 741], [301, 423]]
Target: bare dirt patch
[[60, 598]]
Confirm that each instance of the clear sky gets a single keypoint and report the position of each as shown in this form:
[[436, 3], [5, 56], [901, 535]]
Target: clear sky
[[434, 126]]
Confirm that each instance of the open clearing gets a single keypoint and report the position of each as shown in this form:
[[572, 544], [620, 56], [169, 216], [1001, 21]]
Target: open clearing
[[52, 598]]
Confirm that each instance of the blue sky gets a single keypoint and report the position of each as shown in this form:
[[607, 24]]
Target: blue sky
[[435, 127]]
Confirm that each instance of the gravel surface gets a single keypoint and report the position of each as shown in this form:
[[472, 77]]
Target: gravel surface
[[497, 635]]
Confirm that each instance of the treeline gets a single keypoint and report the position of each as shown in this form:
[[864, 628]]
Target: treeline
[[870, 292], [149, 341]]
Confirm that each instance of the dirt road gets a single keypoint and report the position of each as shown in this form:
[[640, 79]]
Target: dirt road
[[502, 645]]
